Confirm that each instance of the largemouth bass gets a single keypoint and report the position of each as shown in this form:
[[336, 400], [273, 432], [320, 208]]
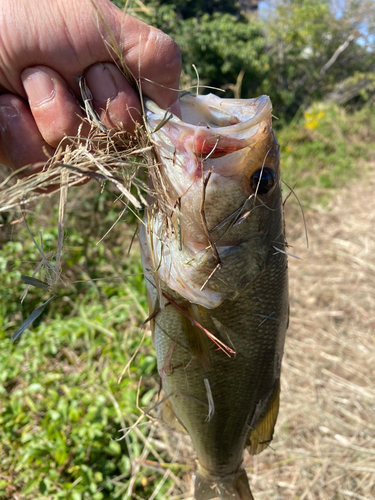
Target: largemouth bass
[[213, 250]]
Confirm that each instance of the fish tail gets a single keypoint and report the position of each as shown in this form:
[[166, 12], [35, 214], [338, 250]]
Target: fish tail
[[232, 487]]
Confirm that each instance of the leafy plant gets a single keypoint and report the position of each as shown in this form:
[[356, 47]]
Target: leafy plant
[[324, 147], [63, 400]]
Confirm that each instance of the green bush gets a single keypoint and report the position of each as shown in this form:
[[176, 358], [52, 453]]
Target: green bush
[[61, 405], [326, 147]]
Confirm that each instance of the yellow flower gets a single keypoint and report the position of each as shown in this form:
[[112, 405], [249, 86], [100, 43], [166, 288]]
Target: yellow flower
[[312, 118], [311, 124]]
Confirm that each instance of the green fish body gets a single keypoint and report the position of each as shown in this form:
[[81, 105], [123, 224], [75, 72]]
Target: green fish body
[[213, 251]]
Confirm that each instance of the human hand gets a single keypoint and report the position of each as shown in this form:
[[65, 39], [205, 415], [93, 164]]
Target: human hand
[[45, 45]]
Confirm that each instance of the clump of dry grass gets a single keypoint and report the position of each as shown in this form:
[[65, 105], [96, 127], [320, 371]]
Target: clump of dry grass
[[108, 156]]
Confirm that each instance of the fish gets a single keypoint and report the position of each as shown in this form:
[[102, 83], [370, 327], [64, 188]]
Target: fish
[[214, 256]]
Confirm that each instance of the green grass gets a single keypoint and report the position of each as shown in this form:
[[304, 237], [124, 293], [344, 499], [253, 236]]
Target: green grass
[[326, 148], [61, 406], [65, 407]]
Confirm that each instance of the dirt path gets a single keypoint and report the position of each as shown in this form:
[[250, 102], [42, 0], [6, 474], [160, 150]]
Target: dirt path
[[324, 447]]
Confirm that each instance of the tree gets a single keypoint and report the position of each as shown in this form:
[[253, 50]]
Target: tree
[[298, 52], [196, 8], [221, 45], [311, 49]]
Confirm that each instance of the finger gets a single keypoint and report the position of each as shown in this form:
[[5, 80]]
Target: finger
[[69, 36], [21, 141], [114, 99], [152, 56], [55, 110], [155, 58]]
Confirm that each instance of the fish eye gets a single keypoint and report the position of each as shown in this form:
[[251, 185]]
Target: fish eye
[[263, 180]]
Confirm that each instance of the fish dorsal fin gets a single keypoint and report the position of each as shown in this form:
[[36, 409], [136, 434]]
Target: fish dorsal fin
[[261, 435], [168, 416]]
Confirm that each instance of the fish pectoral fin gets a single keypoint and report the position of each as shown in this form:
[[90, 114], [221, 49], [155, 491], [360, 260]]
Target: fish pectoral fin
[[168, 416], [197, 340], [261, 434]]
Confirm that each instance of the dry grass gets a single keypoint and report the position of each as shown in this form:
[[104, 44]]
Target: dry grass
[[109, 156]]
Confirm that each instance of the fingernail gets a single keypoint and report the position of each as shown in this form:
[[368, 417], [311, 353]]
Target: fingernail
[[102, 83], [7, 115], [39, 86]]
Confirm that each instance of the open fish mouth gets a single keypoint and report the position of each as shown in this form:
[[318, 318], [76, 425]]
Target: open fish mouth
[[215, 127]]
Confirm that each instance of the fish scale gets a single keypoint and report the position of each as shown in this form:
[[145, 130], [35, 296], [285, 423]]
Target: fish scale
[[225, 398], [237, 383]]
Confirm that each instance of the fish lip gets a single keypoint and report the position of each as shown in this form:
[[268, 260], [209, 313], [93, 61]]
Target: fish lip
[[258, 110]]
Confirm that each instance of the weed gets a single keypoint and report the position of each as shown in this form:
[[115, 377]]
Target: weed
[[325, 148], [61, 404]]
